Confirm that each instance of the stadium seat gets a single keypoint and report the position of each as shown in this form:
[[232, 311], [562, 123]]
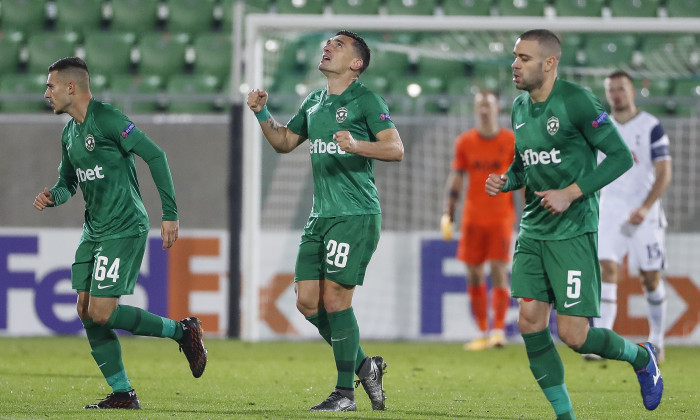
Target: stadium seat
[[128, 91], [595, 84], [609, 49], [309, 7], [124, 19], [654, 88], [190, 16], [570, 47], [355, 7], [634, 8], [687, 88], [28, 16], [466, 7], [387, 63], [655, 109], [9, 51], [579, 8], [683, 8], [30, 87], [44, 48], [410, 7], [162, 54], [213, 55], [520, 8], [378, 84], [187, 93], [441, 67], [78, 15], [109, 53]]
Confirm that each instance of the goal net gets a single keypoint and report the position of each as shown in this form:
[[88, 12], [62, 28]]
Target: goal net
[[427, 68]]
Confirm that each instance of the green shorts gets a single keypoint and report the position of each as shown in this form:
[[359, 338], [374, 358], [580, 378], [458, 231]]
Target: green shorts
[[564, 272], [337, 248], [108, 268]]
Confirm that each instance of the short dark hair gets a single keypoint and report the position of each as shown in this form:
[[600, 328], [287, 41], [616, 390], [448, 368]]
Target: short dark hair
[[360, 46], [68, 63], [545, 38], [617, 74]]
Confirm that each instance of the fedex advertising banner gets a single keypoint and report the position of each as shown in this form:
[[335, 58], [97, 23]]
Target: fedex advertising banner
[[415, 288]]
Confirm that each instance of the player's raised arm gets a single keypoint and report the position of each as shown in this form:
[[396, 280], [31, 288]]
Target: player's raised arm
[[282, 139]]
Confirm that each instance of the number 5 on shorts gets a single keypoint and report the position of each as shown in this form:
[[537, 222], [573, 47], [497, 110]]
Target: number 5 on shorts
[[573, 284]]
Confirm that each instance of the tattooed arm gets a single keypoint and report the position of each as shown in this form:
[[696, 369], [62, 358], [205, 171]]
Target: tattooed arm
[[282, 139]]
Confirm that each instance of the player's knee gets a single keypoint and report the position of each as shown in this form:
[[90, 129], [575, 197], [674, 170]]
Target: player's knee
[[572, 339], [99, 316], [307, 307]]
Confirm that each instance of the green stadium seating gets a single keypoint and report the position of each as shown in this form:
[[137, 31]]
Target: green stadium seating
[[653, 87], [378, 84], [520, 8], [28, 16], [579, 8], [570, 46], [187, 90], [124, 19], [109, 53], [687, 88], [595, 84], [467, 7], [655, 109], [387, 63], [603, 50], [634, 8], [683, 8], [309, 7], [410, 7], [251, 6], [9, 51], [355, 7], [78, 15], [162, 54], [126, 89], [440, 67], [213, 54], [30, 87], [44, 48], [190, 16]]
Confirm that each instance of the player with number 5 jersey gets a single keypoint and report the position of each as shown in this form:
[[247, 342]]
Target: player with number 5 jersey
[[348, 126], [98, 146], [559, 129]]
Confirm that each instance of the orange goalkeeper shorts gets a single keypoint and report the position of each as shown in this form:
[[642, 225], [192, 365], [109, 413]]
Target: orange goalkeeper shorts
[[481, 243]]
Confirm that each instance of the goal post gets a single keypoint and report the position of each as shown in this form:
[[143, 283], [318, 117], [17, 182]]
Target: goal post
[[255, 251]]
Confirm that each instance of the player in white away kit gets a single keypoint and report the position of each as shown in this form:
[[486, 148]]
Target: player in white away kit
[[632, 221]]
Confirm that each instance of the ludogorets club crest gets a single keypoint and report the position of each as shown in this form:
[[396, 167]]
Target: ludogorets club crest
[[90, 143], [552, 125], [341, 114]]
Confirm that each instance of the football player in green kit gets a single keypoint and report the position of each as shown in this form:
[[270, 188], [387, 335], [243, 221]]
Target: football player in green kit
[[347, 126], [559, 127], [98, 146]]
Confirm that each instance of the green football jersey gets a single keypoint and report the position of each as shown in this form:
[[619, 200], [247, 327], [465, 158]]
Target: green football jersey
[[556, 143], [343, 182], [96, 155]]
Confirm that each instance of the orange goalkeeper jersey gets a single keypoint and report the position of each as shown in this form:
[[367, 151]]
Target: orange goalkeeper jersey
[[478, 157]]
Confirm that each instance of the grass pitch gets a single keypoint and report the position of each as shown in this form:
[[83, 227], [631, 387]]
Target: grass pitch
[[54, 377]]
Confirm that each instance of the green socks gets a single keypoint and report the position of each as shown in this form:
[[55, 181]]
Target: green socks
[[548, 370], [140, 322], [608, 344], [320, 321], [107, 353], [345, 340]]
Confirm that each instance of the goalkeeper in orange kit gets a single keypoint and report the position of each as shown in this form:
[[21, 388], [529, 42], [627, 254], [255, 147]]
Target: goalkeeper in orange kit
[[487, 222]]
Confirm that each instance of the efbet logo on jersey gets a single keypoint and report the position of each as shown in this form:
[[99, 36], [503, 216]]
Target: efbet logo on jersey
[[90, 142], [600, 119], [531, 157], [552, 125], [129, 128], [319, 146], [341, 114], [89, 174]]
